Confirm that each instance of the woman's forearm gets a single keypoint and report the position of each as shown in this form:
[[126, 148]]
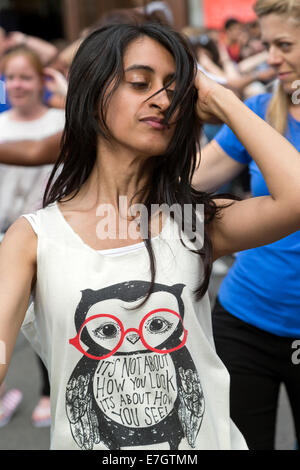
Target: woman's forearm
[[31, 153], [16, 153], [46, 50], [277, 159], [252, 62]]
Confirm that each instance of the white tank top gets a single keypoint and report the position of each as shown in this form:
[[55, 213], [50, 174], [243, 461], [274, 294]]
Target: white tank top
[[125, 376]]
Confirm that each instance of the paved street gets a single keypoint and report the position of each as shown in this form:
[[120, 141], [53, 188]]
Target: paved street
[[19, 434]]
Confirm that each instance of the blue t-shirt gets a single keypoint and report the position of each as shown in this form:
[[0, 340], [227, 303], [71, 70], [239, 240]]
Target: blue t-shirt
[[263, 286]]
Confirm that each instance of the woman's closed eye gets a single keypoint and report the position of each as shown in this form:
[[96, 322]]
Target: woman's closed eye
[[139, 85], [145, 86]]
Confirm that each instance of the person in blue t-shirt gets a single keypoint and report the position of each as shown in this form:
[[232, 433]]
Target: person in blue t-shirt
[[256, 318]]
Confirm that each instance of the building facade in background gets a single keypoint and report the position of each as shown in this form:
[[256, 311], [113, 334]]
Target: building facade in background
[[65, 19], [79, 14]]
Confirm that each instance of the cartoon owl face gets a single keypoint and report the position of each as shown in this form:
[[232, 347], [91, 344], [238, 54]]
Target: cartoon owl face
[[127, 329]]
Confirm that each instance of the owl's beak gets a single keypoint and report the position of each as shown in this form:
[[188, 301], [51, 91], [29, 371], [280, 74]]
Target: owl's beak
[[133, 337]]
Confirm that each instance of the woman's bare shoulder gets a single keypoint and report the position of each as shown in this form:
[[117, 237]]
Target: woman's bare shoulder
[[21, 238]]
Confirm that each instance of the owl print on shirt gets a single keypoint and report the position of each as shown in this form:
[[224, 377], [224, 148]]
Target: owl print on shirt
[[136, 383]]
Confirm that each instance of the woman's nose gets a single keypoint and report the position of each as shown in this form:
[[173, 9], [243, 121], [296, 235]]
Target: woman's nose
[[161, 100], [16, 83], [274, 57]]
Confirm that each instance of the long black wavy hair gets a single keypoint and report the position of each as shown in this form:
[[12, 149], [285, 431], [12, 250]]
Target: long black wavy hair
[[97, 66]]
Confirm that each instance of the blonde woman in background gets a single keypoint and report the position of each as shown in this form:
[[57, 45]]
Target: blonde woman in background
[[256, 317], [21, 188]]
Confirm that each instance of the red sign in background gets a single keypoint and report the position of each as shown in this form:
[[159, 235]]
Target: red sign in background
[[216, 12]]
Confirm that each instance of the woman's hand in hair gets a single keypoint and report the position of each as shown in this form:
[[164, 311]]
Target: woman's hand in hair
[[209, 96]]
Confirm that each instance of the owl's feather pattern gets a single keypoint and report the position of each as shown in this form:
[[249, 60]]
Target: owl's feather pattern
[[191, 408], [83, 419]]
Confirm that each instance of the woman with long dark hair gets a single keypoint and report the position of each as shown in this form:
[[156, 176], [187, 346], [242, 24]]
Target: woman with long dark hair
[[121, 314]]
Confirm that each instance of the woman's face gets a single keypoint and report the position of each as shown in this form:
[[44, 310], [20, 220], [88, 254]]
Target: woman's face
[[23, 84], [281, 36], [134, 116]]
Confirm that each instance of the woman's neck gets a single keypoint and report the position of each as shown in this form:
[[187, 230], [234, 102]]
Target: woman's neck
[[117, 174], [28, 113]]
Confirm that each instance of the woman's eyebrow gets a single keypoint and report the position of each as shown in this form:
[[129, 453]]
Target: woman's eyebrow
[[147, 68], [277, 39], [140, 67]]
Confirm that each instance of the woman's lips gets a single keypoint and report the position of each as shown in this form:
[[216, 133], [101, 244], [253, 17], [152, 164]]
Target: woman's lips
[[155, 124], [284, 75]]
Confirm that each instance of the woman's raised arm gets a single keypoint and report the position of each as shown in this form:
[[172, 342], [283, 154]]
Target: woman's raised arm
[[216, 168], [256, 221], [17, 276]]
